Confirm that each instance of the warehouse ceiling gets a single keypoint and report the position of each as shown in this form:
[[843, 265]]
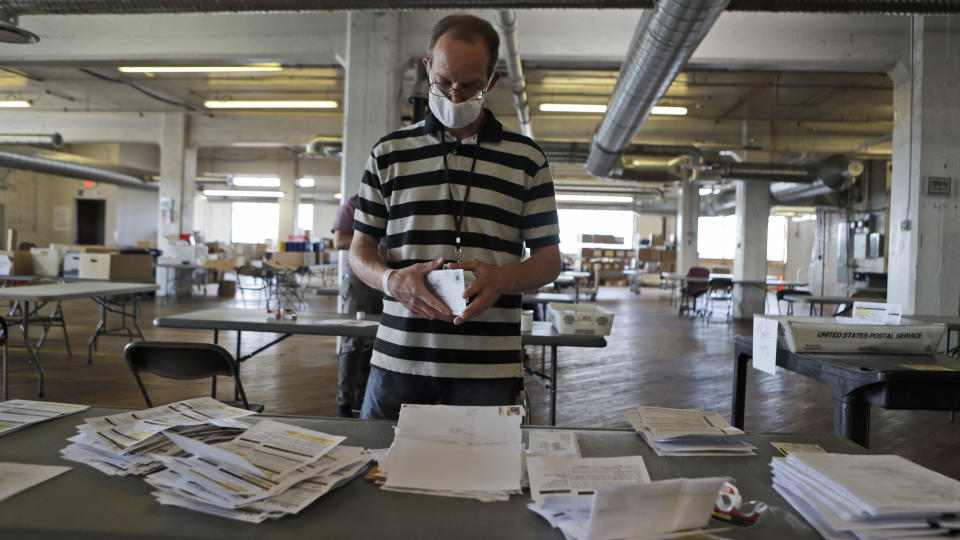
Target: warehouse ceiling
[[785, 115]]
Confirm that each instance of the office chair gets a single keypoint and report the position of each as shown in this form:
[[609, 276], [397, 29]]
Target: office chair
[[783, 292], [720, 290], [693, 289], [185, 361]]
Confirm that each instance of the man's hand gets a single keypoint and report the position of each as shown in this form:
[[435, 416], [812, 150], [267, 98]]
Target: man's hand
[[408, 286], [490, 282]]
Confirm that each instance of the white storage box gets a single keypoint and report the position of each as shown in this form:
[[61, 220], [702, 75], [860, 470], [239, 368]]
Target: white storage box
[[825, 335], [583, 319], [71, 264], [116, 267], [94, 266], [46, 261]]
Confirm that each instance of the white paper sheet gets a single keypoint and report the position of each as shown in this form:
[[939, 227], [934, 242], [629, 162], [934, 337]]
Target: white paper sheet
[[448, 286], [19, 413], [17, 477], [765, 344], [566, 476]]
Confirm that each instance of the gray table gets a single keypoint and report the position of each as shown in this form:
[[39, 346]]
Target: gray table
[[84, 503], [99, 291], [248, 320], [859, 381], [831, 300], [952, 324]]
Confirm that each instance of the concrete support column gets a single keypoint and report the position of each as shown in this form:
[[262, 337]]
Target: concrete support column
[[924, 257], [178, 171], [688, 217], [288, 207], [371, 91], [750, 259]]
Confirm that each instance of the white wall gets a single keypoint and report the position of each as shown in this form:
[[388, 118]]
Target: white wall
[[800, 235], [138, 213]]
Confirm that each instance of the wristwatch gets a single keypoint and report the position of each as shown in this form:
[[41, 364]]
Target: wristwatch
[[385, 281]]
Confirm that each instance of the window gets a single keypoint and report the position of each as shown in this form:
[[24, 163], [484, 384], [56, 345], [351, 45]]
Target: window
[[254, 222], [717, 238], [305, 217], [574, 222]]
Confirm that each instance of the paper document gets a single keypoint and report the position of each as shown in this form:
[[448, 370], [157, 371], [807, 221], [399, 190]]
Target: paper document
[[572, 476], [448, 286], [786, 448], [19, 413], [343, 322], [873, 313], [687, 432], [765, 344], [17, 477], [450, 450], [553, 443]]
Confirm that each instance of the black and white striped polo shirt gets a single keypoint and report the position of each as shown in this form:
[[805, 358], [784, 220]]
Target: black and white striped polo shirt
[[405, 199]]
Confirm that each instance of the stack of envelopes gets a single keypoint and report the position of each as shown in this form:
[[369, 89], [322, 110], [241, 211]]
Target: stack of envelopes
[[268, 471], [687, 432], [455, 451], [20, 413], [129, 443], [868, 496]]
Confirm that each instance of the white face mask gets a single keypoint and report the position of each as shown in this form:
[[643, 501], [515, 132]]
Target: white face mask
[[455, 115]]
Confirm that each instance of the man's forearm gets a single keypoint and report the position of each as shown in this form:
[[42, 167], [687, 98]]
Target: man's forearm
[[365, 260], [541, 268]]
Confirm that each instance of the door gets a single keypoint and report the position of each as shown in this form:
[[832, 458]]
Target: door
[[90, 221]]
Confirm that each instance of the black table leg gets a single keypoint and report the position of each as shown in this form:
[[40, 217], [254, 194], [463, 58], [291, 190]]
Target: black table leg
[[739, 388], [236, 389], [851, 418], [553, 385]]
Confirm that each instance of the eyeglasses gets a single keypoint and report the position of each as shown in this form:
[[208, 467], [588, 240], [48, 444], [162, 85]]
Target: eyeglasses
[[447, 91]]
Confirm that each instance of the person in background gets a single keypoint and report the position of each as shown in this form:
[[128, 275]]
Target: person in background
[[455, 187], [355, 295]]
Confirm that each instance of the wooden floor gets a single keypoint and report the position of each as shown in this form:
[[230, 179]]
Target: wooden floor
[[652, 359]]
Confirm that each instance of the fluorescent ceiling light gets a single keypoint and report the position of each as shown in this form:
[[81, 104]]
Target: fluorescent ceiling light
[[573, 107], [600, 109], [594, 198], [241, 193], [269, 104], [306, 182], [15, 104], [705, 191], [338, 195], [255, 181], [669, 111], [198, 69]]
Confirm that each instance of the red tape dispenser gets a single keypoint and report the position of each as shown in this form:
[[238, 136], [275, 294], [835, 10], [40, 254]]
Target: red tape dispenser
[[730, 507]]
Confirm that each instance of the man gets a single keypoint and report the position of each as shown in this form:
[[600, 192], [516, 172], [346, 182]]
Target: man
[[355, 295], [456, 187]]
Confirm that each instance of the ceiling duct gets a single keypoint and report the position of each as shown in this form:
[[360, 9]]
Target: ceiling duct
[[10, 32], [663, 42], [27, 158], [87, 7], [577, 152], [832, 175], [507, 21], [54, 141]]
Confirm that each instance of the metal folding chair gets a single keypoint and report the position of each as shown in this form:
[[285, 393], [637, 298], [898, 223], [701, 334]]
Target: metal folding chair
[[185, 361]]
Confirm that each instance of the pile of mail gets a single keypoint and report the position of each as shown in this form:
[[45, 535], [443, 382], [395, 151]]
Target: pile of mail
[[131, 443], [868, 496], [455, 451], [613, 497], [687, 432], [268, 471], [20, 413]]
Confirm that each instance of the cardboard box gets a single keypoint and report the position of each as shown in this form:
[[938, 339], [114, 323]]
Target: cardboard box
[[668, 255], [227, 289], [116, 267], [71, 264], [220, 265], [18, 263], [295, 259], [46, 262], [648, 254], [825, 335]]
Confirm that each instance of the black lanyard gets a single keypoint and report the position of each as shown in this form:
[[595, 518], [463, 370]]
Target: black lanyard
[[458, 219]]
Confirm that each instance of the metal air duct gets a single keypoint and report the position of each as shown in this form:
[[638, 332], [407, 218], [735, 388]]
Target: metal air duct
[[10, 32], [663, 42], [86, 7], [54, 141], [507, 21], [71, 166]]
